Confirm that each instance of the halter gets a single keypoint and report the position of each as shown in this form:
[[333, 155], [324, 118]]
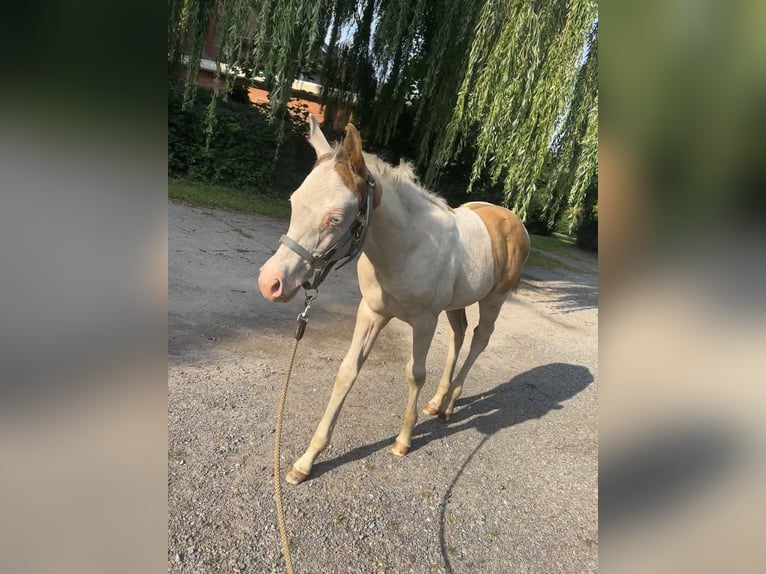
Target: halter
[[322, 263]]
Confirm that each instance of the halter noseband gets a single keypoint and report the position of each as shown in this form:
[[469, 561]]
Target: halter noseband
[[322, 263]]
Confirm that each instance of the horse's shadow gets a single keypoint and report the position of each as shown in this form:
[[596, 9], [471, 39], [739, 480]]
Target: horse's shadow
[[528, 395]]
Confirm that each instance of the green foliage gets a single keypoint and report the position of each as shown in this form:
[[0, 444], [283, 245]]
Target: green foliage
[[239, 94], [584, 225], [496, 98], [283, 42], [240, 151], [536, 219], [587, 232], [521, 81]]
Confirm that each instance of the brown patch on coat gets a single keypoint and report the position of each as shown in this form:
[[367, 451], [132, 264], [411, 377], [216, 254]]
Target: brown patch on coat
[[352, 149], [353, 174], [352, 169], [357, 185], [510, 244], [351, 180]]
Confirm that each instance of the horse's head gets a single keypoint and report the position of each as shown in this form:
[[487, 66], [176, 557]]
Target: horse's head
[[325, 216]]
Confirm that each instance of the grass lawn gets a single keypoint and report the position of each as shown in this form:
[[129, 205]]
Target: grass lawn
[[558, 244], [224, 198], [538, 259], [553, 244]]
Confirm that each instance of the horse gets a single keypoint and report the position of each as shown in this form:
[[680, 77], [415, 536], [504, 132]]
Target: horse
[[419, 257]]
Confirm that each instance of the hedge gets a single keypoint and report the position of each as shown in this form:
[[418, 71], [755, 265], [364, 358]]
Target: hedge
[[242, 152]]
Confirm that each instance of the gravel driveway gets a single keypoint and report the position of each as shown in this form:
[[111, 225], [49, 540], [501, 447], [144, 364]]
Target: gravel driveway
[[509, 485]]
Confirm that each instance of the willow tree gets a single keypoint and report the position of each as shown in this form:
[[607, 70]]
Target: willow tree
[[514, 83], [529, 87], [276, 38]]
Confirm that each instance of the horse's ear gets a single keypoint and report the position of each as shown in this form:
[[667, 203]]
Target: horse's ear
[[352, 149], [316, 138]]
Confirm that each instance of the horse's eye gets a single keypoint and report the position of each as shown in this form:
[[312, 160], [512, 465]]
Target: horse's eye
[[335, 220]]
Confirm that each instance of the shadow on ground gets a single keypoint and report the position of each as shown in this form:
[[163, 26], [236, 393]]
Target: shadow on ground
[[526, 396], [562, 296], [529, 395]]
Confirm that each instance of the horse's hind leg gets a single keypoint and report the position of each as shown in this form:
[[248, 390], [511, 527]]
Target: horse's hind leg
[[458, 325], [489, 309]]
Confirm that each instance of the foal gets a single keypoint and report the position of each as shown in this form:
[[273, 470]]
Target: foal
[[420, 257]]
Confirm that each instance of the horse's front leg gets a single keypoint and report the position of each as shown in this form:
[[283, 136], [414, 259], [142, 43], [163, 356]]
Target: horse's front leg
[[368, 326], [423, 328]]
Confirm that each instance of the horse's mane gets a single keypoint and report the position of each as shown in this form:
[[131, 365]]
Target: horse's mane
[[400, 176], [403, 176]]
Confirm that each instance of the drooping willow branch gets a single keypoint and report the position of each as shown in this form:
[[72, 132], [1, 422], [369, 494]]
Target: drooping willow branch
[[514, 83]]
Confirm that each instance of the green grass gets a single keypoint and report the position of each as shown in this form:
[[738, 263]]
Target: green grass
[[558, 244], [226, 198], [539, 260], [552, 244]]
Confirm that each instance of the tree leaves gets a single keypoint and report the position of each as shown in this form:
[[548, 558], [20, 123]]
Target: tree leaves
[[515, 82]]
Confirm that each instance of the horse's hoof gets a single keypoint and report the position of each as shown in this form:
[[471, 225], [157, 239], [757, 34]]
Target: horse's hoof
[[430, 409], [444, 417], [295, 476], [399, 449]]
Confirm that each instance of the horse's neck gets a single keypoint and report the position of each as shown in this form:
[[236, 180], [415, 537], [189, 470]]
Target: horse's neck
[[397, 226]]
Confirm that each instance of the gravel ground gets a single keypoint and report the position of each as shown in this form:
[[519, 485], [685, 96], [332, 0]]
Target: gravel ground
[[509, 485]]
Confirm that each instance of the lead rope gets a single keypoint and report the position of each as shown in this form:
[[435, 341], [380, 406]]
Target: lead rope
[[302, 320]]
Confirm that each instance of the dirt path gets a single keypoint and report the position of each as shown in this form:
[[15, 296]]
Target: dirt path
[[510, 485]]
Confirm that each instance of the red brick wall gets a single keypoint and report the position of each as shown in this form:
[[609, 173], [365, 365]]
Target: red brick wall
[[259, 96]]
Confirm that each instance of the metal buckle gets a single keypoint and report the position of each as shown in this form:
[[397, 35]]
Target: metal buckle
[[303, 319]]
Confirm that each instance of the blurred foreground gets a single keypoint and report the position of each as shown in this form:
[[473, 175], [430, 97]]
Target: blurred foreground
[[683, 320]]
